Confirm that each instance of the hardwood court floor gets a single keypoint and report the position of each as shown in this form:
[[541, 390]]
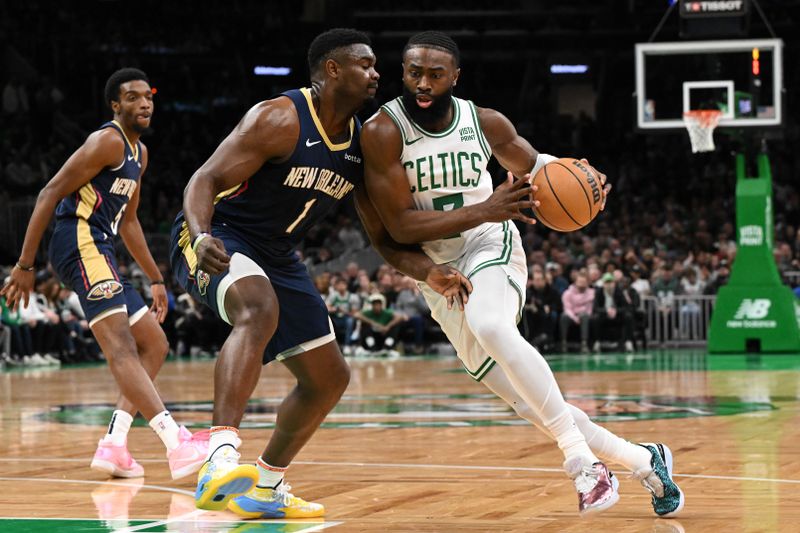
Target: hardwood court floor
[[416, 445]]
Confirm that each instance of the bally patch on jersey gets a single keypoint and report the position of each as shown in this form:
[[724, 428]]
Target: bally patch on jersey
[[104, 290]]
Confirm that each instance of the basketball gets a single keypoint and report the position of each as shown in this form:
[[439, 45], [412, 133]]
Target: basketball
[[570, 194]]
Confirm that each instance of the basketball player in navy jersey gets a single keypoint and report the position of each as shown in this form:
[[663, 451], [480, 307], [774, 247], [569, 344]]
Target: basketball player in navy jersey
[[95, 196], [284, 166], [413, 149]]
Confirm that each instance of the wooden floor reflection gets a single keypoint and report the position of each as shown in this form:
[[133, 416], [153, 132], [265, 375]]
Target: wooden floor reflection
[[417, 445]]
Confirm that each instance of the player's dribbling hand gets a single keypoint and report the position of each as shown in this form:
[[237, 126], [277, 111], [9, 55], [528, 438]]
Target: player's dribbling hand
[[451, 284], [159, 307], [18, 289], [602, 177], [212, 257], [509, 199]]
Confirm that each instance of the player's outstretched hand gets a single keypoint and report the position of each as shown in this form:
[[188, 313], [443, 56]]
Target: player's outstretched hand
[[509, 199], [450, 283], [19, 287], [159, 307], [211, 256], [602, 177]]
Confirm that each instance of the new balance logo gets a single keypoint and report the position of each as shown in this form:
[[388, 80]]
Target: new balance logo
[[310, 144], [752, 314], [753, 309]]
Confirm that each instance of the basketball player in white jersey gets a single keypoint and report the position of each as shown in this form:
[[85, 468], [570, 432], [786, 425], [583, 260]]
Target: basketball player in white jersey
[[425, 170]]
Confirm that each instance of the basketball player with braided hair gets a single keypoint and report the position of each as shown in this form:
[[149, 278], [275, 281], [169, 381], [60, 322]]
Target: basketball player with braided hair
[[425, 170]]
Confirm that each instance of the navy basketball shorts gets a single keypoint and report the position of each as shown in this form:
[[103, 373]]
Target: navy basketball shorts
[[303, 322], [89, 267]]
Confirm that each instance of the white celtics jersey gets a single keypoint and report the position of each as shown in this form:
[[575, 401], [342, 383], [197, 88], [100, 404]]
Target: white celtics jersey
[[445, 170]]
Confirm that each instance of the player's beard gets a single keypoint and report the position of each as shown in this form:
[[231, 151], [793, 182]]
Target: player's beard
[[432, 116]]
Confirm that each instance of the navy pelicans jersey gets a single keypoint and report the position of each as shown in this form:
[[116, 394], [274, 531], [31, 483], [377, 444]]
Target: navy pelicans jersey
[[82, 247], [98, 206], [274, 209]]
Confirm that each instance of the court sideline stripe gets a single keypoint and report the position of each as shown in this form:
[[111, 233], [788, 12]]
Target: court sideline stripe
[[318, 527], [157, 523], [187, 516], [394, 465]]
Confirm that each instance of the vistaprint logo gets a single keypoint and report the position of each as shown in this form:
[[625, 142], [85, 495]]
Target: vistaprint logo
[[751, 315], [751, 236], [467, 133]]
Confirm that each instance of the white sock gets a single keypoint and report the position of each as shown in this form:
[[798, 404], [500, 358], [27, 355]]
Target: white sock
[[269, 476], [569, 438], [167, 429], [118, 428], [223, 440], [609, 446]]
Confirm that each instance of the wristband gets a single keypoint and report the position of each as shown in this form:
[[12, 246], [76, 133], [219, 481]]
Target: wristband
[[200, 237], [157, 282], [541, 161], [23, 268]]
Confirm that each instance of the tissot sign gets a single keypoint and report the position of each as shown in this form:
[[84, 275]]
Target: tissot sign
[[713, 8]]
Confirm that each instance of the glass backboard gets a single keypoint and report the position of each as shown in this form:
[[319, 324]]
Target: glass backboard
[[743, 78]]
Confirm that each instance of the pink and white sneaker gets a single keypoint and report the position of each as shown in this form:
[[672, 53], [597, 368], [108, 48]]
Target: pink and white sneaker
[[190, 454], [597, 487], [115, 461]]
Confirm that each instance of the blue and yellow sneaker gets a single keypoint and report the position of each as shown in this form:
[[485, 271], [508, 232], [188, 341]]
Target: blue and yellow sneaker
[[263, 502], [222, 479], [668, 499]]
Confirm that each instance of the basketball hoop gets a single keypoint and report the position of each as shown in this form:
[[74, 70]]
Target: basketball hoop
[[701, 123]]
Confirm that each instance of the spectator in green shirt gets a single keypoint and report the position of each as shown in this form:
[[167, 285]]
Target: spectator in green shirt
[[21, 341], [379, 326]]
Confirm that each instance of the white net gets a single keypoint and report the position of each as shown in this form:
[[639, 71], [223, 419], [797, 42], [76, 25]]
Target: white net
[[700, 125]]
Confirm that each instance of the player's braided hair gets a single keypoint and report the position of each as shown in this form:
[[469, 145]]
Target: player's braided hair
[[325, 43], [434, 39], [121, 76]]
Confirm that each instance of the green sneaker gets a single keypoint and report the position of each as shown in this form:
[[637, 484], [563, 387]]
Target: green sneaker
[[668, 499]]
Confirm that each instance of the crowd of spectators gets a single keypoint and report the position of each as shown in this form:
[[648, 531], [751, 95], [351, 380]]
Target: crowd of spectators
[[50, 330]]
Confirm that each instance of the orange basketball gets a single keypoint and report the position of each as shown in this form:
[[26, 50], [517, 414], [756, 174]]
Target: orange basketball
[[570, 194]]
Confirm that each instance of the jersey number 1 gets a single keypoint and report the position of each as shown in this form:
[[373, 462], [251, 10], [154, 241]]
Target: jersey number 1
[[448, 203], [302, 216]]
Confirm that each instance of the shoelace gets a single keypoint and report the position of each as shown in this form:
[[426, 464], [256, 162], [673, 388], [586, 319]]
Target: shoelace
[[653, 483], [228, 456], [587, 479], [282, 493]]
